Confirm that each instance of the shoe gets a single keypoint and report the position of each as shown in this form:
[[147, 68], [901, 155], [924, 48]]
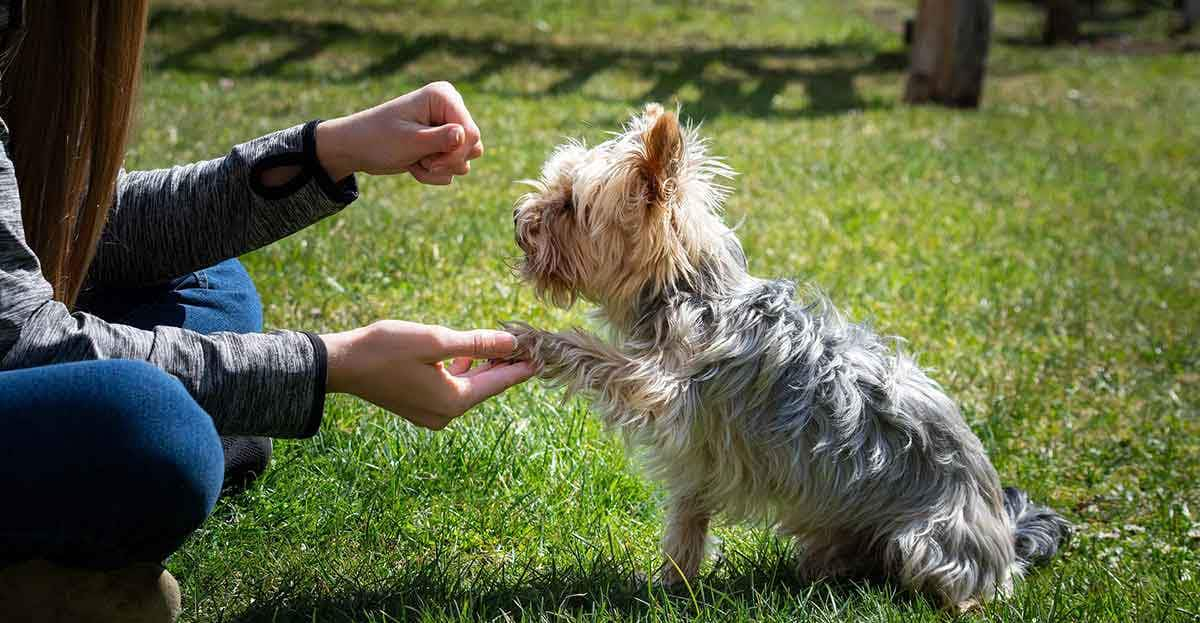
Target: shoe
[[38, 591], [246, 458]]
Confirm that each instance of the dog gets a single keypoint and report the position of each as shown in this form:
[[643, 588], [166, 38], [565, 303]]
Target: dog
[[747, 402]]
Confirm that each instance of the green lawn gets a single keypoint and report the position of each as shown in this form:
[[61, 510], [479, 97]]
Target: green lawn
[[1041, 254]]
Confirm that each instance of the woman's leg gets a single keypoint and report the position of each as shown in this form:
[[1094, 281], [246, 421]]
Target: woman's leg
[[108, 467], [107, 463], [219, 298]]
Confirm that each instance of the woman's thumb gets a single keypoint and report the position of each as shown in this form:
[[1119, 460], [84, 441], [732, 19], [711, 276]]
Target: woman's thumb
[[480, 344], [442, 138]]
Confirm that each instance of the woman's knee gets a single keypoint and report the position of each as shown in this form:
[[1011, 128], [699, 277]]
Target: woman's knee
[[163, 431], [161, 460], [119, 463], [229, 290]]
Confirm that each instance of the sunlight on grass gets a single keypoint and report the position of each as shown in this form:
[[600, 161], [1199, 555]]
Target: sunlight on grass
[[1042, 255]]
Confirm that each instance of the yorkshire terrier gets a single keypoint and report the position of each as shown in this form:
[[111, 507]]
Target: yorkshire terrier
[[748, 403]]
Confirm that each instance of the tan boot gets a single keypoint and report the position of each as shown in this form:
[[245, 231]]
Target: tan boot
[[42, 592]]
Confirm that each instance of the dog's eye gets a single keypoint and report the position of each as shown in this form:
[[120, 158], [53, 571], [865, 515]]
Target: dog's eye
[[568, 205]]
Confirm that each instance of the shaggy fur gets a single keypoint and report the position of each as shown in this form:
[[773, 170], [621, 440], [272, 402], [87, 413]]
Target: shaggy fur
[[747, 402]]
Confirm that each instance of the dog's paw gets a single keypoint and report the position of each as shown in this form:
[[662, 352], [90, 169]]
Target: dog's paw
[[642, 582], [669, 578], [527, 340]]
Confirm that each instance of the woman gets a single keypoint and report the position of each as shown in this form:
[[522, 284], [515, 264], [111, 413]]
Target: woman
[[129, 337]]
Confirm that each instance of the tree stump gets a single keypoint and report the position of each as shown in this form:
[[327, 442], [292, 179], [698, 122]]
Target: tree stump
[[1062, 22], [949, 52]]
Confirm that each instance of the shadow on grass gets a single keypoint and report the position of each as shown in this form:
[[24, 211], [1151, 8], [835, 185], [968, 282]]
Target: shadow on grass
[[592, 584], [747, 82], [1106, 29]]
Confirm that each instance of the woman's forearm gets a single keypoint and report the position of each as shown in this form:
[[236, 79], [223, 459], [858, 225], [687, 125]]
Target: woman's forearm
[[169, 222]]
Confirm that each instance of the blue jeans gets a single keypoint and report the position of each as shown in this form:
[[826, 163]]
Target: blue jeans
[[108, 463]]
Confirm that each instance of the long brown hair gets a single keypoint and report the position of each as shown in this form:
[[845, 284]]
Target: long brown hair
[[67, 96]]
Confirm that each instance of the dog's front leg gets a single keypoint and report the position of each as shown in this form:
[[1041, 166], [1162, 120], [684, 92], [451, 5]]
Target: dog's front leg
[[628, 390], [631, 392], [685, 539]]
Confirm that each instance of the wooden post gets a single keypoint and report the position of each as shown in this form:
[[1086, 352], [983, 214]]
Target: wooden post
[[949, 52], [1062, 22]]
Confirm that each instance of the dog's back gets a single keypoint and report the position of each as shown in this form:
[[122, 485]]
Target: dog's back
[[826, 429]]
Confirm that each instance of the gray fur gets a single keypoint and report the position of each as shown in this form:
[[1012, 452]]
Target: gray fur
[[1040, 532], [749, 403]]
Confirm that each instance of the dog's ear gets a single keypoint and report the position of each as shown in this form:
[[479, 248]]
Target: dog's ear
[[662, 154]]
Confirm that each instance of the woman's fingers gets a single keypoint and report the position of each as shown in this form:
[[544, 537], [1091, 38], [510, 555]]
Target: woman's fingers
[[422, 372], [463, 393], [494, 380], [447, 106], [446, 163], [483, 367], [476, 151], [456, 112], [426, 176], [460, 366]]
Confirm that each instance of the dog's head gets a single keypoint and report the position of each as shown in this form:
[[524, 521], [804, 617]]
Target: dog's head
[[636, 213]]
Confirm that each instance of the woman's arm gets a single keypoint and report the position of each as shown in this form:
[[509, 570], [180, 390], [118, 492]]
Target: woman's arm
[[274, 384], [269, 384], [255, 383], [169, 222]]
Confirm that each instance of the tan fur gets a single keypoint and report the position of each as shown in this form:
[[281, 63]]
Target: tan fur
[[664, 150], [748, 403], [619, 218]]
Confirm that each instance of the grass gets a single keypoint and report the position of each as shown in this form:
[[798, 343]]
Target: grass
[[1041, 254]]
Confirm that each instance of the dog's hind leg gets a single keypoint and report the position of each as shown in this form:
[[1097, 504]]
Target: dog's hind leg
[[963, 562], [830, 556]]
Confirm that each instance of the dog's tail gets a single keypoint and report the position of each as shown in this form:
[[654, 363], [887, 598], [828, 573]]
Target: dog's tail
[[1038, 532]]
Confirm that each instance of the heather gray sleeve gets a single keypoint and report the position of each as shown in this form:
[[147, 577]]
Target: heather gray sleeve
[[170, 222], [270, 384]]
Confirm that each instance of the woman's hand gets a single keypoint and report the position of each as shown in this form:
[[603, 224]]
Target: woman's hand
[[399, 366], [428, 133]]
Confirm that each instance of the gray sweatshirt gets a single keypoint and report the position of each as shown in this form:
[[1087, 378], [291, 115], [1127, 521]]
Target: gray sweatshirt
[[167, 223]]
